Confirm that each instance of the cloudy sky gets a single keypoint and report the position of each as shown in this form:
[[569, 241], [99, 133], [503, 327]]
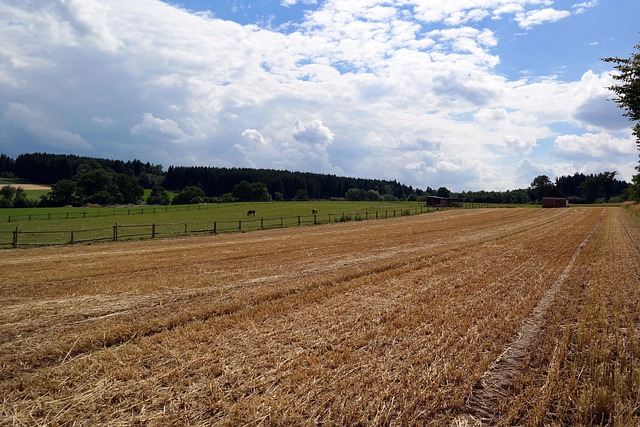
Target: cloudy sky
[[467, 94]]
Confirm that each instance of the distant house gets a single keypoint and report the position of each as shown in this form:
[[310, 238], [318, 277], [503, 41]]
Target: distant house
[[555, 199]]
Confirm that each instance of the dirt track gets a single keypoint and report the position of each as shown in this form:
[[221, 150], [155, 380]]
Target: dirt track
[[390, 321]]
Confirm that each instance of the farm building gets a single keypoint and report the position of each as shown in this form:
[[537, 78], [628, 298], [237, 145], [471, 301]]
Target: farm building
[[442, 202], [555, 199]]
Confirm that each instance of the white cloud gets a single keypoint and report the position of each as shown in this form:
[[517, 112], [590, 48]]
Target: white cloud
[[532, 18], [518, 144], [253, 136], [594, 146], [165, 130], [582, 7], [287, 3], [87, 18], [315, 133]]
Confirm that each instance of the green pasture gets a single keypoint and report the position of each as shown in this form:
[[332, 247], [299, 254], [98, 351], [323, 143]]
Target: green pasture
[[55, 225], [31, 194]]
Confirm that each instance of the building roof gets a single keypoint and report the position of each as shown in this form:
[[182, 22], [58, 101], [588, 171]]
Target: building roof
[[556, 194]]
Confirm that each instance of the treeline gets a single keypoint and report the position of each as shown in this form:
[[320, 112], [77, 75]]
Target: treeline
[[45, 168], [78, 180], [281, 184], [579, 188]]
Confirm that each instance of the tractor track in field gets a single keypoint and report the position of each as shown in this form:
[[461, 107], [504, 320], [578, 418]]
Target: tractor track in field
[[482, 406]]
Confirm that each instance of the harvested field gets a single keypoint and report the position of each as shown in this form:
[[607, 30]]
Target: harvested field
[[27, 187], [474, 317]]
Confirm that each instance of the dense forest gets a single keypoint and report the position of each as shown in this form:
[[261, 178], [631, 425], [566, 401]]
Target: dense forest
[[78, 180], [46, 168], [219, 181]]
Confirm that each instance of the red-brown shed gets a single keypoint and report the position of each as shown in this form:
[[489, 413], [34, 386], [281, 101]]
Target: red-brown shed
[[555, 199]]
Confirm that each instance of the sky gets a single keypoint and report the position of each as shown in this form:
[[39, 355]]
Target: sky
[[464, 94]]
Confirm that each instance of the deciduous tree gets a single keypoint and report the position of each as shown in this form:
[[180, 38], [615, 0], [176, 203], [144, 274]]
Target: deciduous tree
[[628, 98], [158, 196]]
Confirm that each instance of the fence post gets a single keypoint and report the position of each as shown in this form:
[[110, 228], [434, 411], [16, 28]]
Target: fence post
[[71, 241], [153, 231], [15, 238], [261, 223], [240, 225], [299, 220], [315, 222], [281, 222], [215, 227], [185, 228], [115, 232]]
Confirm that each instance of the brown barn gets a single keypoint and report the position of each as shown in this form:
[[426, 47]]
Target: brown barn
[[443, 202], [555, 199]]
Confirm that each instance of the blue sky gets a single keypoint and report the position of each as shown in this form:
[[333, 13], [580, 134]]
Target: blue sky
[[467, 94]]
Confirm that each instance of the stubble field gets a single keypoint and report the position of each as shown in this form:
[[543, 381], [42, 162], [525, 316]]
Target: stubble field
[[492, 316]]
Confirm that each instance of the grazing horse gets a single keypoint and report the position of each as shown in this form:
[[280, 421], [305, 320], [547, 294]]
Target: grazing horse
[[314, 212], [251, 213]]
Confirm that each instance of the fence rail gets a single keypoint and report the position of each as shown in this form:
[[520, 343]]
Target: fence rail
[[118, 232]]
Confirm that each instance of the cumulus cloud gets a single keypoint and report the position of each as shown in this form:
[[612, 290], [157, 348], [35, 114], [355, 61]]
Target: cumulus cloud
[[600, 111], [593, 146], [314, 133], [518, 144], [154, 128], [594, 105], [532, 18], [87, 18], [253, 136]]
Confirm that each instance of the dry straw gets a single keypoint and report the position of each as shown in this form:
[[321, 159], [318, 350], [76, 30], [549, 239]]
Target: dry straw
[[388, 322]]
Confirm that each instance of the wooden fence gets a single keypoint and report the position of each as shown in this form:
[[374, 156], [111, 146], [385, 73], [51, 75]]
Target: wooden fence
[[117, 232]]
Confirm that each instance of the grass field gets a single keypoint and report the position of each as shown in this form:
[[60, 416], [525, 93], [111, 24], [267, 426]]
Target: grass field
[[505, 316], [52, 225]]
